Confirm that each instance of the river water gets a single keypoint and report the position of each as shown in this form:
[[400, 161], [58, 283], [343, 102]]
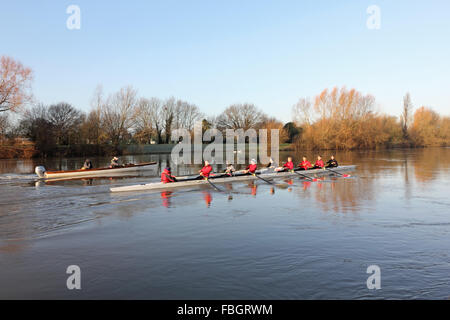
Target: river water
[[294, 240]]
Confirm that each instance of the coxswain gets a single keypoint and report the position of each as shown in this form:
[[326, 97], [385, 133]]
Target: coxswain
[[87, 165], [205, 171], [272, 164], [288, 166], [114, 163], [167, 177], [305, 164], [229, 170], [251, 168], [332, 163], [319, 163]]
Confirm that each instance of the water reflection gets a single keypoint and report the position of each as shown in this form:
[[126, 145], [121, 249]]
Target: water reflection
[[253, 188], [207, 197], [24, 210], [166, 197]]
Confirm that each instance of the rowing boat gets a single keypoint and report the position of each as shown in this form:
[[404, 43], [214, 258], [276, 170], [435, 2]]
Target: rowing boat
[[99, 172], [187, 181]]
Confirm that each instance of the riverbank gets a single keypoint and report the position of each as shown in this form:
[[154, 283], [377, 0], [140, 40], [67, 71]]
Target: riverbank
[[17, 149], [29, 150]]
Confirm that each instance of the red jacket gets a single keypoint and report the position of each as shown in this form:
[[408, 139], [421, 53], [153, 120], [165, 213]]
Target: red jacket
[[166, 177], [289, 165], [305, 164], [206, 170], [252, 168], [319, 163]]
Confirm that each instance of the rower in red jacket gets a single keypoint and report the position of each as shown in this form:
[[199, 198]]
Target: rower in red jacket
[[319, 163], [205, 171], [166, 176], [305, 164], [251, 168], [288, 166]]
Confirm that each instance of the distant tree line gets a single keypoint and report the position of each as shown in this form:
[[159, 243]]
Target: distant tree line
[[336, 119], [346, 119], [122, 119]]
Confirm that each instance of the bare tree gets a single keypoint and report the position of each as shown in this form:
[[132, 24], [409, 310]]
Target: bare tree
[[149, 119], [240, 116], [406, 115], [186, 115], [15, 84], [157, 117], [168, 115], [92, 127], [118, 114], [153, 116], [302, 112], [65, 121], [35, 125], [4, 125], [146, 120]]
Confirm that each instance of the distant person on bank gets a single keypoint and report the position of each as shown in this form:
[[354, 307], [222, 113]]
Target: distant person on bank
[[114, 163], [87, 165]]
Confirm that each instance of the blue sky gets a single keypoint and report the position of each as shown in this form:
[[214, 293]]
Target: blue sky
[[215, 53]]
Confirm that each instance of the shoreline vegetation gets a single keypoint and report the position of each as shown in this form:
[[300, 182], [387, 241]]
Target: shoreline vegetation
[[125, 123]]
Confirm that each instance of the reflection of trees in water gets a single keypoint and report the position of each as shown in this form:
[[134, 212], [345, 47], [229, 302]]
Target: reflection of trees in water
[[16, 166], [14, 227], [341, 195], [372, 168], [430, 162], [12, 246]]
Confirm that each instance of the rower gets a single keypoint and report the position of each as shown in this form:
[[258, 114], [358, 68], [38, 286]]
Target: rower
[[272, 164], [167, 177], [305, 164], [87, 165], [319, 163], [332, 163], [205, 171], [288, 166], [229, 170], [251, 168], [114, 163]]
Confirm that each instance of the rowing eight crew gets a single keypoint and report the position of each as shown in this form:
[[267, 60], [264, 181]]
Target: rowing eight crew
[[205, 172]]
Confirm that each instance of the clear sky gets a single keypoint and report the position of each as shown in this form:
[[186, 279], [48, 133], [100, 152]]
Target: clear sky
[[215, 53]]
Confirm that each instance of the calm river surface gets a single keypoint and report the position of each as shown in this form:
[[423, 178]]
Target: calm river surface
[[297, 240]]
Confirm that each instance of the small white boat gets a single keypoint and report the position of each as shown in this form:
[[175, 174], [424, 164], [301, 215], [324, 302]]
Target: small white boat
[[87, 173], [186, 181]]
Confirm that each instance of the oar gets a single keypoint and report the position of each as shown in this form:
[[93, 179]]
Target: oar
[[344, 175], [269, 182], [214, 186], [305, 176]]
